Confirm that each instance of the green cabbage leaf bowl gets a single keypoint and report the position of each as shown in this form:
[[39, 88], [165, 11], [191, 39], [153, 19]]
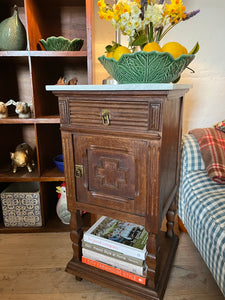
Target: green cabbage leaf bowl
[[60, 43], [146, 67]]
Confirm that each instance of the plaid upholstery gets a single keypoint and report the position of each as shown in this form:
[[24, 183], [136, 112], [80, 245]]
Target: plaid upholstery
[[212, 148], [201, 207], [192, 159]]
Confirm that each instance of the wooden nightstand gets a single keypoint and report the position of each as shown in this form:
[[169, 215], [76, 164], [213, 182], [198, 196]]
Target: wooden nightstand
[[121, 147]]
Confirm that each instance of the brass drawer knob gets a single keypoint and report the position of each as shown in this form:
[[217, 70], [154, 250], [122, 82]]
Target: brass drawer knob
[[106, 116]]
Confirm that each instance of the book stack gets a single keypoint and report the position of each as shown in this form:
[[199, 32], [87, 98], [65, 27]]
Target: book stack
[[117, 247]]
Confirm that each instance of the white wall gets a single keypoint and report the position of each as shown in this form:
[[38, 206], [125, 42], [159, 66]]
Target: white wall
[[205, 102], [104, 35]]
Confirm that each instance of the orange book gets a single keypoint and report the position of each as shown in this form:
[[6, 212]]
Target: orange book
[[113, 270]]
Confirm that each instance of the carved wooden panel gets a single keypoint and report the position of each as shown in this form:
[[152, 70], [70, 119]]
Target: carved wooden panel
[[154, 179], [154, 116], [114, 172], [69, 169], [111, 173], [64, 111]]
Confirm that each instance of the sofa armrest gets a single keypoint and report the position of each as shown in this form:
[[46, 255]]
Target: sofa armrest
[[191, 155], [191, 161]]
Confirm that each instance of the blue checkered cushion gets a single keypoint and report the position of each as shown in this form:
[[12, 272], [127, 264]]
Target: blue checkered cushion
[[192, 159], [201, 207]]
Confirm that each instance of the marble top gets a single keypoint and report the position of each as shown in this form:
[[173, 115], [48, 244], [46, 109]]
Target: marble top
[[119, 87]]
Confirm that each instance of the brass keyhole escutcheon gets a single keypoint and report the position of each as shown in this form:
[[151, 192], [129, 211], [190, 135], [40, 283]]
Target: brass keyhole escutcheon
[[106, 116], [79, 171]]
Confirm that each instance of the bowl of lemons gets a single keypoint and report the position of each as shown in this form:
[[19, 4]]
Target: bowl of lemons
[[154, 64]]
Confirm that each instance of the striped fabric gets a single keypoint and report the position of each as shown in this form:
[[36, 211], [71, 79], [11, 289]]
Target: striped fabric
[[201, 207]]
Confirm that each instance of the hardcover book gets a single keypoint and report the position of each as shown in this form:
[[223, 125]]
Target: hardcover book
[[110, 269], [114, 262], [124, 237], [112, 253]]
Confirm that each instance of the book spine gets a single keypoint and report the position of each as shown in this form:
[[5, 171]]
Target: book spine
[[113, 262], [114, 246], [112, 253], [110, 269]]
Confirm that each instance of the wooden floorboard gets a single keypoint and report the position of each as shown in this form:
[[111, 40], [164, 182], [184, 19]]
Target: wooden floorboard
[[32, 268]]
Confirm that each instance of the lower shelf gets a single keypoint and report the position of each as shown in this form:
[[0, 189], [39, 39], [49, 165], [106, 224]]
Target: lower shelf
[[6, 175], [53, 225], [168, 248]]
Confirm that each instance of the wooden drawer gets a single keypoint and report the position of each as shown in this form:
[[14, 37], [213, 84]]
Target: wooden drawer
[[114, 114]]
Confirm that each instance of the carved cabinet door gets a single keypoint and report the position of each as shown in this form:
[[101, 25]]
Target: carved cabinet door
[[111, 172]]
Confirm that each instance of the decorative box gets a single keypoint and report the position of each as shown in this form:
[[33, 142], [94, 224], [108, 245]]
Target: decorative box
[[21, 205]]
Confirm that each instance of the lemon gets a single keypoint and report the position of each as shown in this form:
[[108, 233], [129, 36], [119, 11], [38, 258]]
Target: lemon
[[175, 49], [109, 54], [119, 51], [153, 46]]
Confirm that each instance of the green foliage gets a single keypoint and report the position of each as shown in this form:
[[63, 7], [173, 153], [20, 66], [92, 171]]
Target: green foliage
[[140, 40], [195, 49], [112, 48]]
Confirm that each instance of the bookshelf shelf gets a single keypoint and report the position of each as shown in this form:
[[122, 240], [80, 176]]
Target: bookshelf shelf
[[128, 173]]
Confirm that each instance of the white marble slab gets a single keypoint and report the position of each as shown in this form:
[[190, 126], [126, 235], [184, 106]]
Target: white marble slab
[[119, 87]]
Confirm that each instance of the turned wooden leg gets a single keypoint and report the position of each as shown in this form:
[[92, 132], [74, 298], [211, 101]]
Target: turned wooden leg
[[151, 260], [170, 216], [76, 236]]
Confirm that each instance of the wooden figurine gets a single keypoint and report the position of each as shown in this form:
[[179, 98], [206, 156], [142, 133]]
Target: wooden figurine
[[73, 81], [62, 81], [22, 157], [3, 110]]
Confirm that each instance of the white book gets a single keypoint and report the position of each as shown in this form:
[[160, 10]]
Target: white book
[[114, 262], [115, 254], [124, 237]]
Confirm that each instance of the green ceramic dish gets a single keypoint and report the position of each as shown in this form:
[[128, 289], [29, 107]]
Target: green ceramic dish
[[146, 67], [60, 43]]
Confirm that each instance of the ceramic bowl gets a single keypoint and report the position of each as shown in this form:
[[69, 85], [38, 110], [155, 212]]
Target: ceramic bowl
[[60, 43], [146, 67], [58, 160]]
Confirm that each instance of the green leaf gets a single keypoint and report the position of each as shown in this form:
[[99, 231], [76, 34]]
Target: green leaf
[[151, 39], [111, 48], [140, 40], [108, 48], [176, 80], [195, 49]]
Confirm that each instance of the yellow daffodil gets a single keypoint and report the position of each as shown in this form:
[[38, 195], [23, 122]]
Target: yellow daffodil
[[146, 22]]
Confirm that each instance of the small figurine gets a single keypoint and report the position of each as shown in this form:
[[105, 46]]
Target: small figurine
[[62, 81], [73, 81], [3, 110], [22, 157], [23, 110], [61, 207]]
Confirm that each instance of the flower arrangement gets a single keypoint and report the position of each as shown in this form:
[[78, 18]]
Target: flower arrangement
[[144, 21]]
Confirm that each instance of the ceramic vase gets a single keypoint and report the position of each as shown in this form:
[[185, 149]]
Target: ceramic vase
[[12, 33]]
